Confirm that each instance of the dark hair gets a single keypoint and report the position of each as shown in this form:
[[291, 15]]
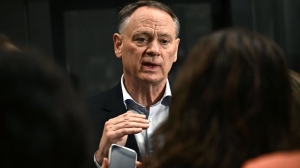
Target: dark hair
[[231, 102], [295, 81], [126, 12], [42, 121]]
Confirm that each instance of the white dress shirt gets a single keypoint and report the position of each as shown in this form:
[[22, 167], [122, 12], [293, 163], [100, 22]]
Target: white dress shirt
[[156, 115]]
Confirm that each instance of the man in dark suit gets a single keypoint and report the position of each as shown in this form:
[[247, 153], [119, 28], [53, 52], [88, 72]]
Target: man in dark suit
[[129, 113]]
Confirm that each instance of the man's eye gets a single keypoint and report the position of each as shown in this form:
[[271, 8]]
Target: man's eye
[[165, 41], [141, 40]]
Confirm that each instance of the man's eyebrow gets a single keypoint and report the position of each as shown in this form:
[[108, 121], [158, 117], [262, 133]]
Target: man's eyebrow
[[165, 35], [142, 33], [149, 34]]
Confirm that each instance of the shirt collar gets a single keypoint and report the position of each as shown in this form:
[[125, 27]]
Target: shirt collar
[[126, 96]]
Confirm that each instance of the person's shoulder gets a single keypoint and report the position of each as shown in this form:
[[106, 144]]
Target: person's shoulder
[[275, 160], [104, 95]]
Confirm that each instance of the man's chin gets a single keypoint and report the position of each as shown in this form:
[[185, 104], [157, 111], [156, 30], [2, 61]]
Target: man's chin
[[153, 80]]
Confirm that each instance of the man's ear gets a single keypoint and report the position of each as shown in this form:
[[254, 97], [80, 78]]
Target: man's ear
[[177, 46], [117, 38]]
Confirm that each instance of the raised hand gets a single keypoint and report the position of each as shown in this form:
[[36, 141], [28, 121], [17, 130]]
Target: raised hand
[[116, 130]]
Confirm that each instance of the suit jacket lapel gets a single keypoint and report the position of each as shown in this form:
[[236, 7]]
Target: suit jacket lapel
[[115, 107], [114, 102]]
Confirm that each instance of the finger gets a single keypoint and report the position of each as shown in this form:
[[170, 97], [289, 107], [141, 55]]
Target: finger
[[130, 114], [116, 136], [119, 130], [104, 163], [138, 164], [130, 124], [125, 118], [127, 131], [115, 124]]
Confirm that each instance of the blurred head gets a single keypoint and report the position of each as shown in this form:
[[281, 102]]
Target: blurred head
[[231, 101], [42, 121], [147, 41]]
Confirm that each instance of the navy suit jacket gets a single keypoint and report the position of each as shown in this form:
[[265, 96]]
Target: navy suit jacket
[[107, 105]]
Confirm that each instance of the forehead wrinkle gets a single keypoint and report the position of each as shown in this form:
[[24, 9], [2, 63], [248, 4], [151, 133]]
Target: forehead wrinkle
[[142, 32], [149, 33], [153, 22], [150, 27]]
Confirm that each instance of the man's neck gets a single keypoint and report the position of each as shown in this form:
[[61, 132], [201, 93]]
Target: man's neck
[[145, 94]]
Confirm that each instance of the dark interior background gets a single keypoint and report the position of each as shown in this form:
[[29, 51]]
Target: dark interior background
[[77, 34]]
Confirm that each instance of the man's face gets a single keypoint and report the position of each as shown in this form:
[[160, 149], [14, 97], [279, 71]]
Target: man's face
[[148, 46]]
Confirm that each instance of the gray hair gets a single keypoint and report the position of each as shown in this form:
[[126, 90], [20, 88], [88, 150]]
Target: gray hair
[[125, 13]]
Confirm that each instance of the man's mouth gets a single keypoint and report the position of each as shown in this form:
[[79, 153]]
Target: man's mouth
[[150, 66]]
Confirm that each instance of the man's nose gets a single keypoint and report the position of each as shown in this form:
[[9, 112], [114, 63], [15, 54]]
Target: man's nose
[[153, 48]]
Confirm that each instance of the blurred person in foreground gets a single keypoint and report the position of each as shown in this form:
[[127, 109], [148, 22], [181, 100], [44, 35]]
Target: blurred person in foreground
[[279, 159], [232, 102], [147, 44], [42, 120]]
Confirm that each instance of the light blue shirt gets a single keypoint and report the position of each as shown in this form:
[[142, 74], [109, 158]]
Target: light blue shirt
[[157, 113]]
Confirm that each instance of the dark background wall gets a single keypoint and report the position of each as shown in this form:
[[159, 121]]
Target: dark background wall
[[77, 34], [13, 20], [278, 19]]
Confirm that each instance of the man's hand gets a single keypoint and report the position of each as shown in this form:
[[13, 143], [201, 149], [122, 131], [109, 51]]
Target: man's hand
[[116, 130]]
